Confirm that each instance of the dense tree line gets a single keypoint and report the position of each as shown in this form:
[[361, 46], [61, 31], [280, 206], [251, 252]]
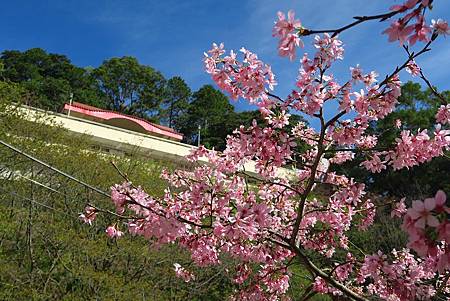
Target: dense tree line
[[125, 85]]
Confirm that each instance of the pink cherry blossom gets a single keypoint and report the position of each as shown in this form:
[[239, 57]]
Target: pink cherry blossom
[[440, 26], [287, 31], [287, 46], [89, 215], [343, 270], [113, 232], [341, 157], [443, 114], [247, 79], [279, 120], [413, 150], [321, 286], [400, 209], [421, 221], [367, 141], [441, 202], [444, 231], [413, 68], [399, 31], [356, 73], [285, 26], [374, 164], [368, 219], [421, 212], [405, 6], [422, 32]]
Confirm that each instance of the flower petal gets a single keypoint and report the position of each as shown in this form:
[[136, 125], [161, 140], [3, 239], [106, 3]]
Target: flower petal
[[420, 223], [418, 205], [413, 213], [430, 204], [440, 198], [432, 221]]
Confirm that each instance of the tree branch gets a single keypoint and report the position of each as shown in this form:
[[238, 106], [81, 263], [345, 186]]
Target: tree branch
[[359, 19]]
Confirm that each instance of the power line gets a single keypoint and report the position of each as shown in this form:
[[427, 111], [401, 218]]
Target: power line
[[54, 169]]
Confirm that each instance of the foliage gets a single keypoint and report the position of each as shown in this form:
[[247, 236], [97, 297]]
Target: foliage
[[212, 112], [176, 101], [130, 87], [50, 78], [125, 85]]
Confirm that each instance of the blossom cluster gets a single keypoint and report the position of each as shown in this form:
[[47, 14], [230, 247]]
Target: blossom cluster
[[443, 114], [400, 278], [412, 26], [247, 79], [313, 89], [428, 229], [287, 30]]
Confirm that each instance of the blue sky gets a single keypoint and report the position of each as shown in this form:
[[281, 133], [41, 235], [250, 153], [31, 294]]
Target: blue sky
[[171, 36]]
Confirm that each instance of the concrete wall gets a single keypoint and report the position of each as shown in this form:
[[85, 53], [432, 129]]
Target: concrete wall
[[124, 141]]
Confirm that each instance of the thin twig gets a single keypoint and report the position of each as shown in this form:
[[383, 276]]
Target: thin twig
[[427, 82], [359, 19]]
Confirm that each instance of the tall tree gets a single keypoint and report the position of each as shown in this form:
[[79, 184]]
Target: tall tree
[[210, 110], [130, 87], [51, 78], [176, 101]]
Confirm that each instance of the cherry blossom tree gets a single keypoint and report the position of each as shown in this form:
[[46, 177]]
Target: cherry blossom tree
[[272, 220]]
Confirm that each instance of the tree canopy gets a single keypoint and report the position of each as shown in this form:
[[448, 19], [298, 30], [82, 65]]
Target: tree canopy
[[175, 103], [210, 110], [130, 87], [51, 78]]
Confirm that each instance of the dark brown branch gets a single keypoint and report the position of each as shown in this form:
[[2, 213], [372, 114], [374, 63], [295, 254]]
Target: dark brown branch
[[275, 96], [427, 82], [411, 57], [97, 209], [121, 173], [330, 280], [433, 90], [359, 19], [312, 177]]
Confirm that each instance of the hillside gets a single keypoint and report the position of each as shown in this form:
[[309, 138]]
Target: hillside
[[47, 253]]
